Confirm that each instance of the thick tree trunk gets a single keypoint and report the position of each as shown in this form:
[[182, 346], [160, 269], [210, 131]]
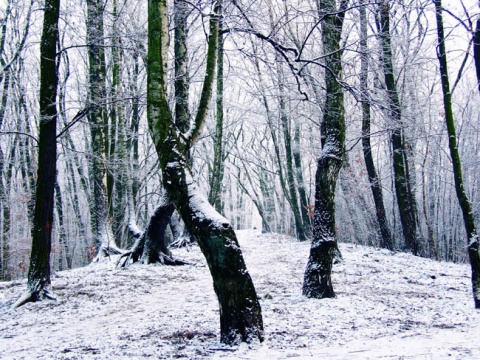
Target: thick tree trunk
[[38, 283], [240, 312], [387, 241], [317, 279], [151, 246], [465, 205], [403, 190]]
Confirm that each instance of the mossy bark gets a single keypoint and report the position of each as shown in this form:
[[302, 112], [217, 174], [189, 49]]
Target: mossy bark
[[403, 190], [375, 185], [465, 205], [240, 312], [317, 279]]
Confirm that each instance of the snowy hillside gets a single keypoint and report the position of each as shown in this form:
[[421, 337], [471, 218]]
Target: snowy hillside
[[388, 305]]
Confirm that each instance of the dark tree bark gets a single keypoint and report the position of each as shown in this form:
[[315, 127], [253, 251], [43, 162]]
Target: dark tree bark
[[476, 50], [216, 177], [387, 241], [151, 246], [465, 205], [240, 312], [403, 190], [38, 283], [317, 280]]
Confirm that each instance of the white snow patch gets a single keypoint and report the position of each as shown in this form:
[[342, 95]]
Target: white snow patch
[[388, 306]]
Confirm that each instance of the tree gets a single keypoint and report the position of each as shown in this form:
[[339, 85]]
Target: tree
[[240, 312], [317, 279], [403, 187], [214, 197], [100, 222], [375, 184], [465, 205], [38, 283]]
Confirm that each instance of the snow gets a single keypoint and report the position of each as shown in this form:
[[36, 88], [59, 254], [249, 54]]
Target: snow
[[389, 305]]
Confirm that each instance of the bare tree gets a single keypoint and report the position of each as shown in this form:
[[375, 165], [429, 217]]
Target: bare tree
[[240, 315], [38, 284], [465, 205], [317, 279]]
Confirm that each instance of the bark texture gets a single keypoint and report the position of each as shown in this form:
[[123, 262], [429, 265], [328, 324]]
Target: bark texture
[[403, 190], [38, 282], [387, 241], [317, 279], [468, 219], [240, 312]]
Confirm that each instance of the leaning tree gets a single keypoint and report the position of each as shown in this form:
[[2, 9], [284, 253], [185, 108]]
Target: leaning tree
[[240, 312]]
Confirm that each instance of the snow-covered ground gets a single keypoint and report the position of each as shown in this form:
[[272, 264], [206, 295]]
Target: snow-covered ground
[[388, 305]]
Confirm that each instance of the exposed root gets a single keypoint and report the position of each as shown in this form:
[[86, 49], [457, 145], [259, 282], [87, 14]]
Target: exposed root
[[33, 296]]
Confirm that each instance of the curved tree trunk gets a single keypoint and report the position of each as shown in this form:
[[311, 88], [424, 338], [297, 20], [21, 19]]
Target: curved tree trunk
[[38, 283], [468, 219], [317, 279], [240, 312]]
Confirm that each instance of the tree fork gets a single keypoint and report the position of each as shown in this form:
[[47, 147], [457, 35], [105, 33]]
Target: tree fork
[[240, 312]]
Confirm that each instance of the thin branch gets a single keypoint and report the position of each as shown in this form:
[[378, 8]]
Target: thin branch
[[19, 133], [80, 115]]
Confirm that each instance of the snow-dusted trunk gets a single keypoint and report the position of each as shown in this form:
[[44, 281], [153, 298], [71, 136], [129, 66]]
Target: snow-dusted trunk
[[38, 283], [403, 189], [240, 312], [155, 240], [465, 205], [375, 185], [100, 224], [317, 280]]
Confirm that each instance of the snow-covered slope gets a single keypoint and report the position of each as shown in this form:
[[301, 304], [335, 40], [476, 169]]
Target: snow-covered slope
[[388, 305]]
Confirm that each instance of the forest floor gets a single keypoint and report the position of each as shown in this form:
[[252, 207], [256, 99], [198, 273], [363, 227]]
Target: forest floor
[[389, 306]]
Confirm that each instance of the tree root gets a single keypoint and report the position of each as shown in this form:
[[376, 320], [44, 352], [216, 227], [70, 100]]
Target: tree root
[[33, 296]]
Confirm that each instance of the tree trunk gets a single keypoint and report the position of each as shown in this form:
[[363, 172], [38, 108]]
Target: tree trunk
[[38, 283], [63, 251], [465, 205], [218, 168], [101, 228], [376, 187], [317, 280], [403, 190], [476, 50], [302, 191], [240, 312]]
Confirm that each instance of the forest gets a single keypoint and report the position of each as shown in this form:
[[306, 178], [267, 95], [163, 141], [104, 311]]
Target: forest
[[132, 129]]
